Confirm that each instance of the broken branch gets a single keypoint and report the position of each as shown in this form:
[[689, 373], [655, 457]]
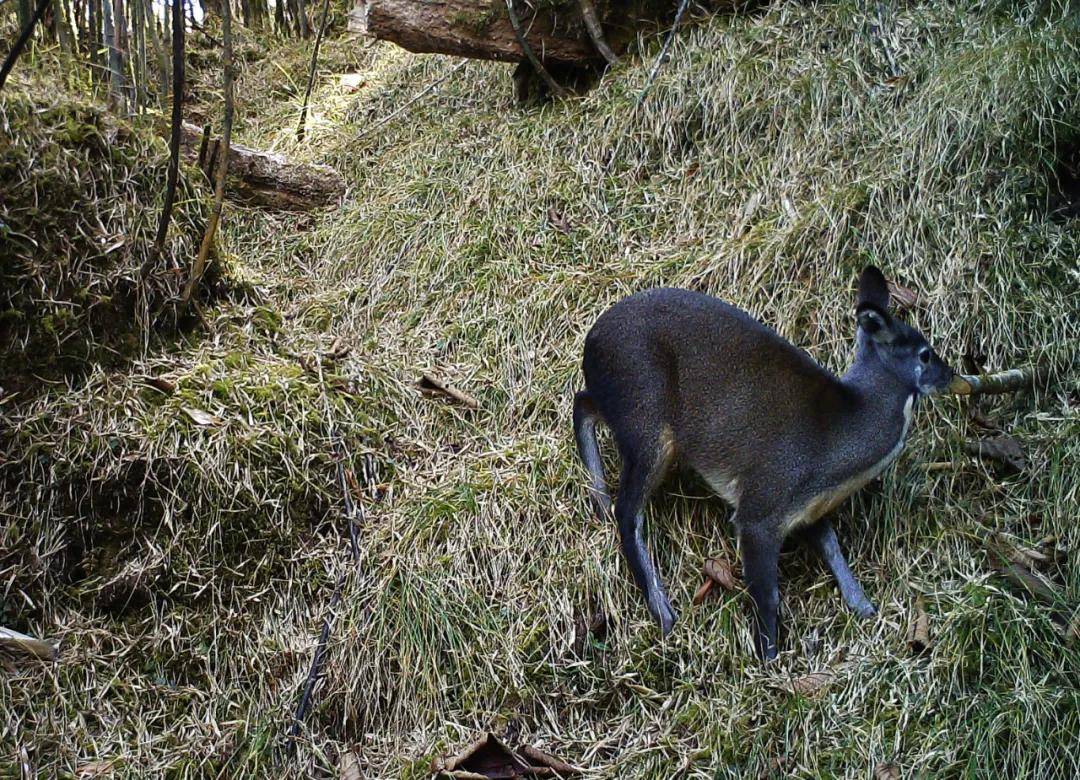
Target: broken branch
[[991, 384], [13, 640], [596, 32], [429, 385]]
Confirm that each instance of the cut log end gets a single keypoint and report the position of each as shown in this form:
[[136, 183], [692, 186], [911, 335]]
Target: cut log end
[[269, 180]]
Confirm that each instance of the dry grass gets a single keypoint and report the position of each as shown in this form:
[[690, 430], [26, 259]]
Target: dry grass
[[79, 198], [776, 154]]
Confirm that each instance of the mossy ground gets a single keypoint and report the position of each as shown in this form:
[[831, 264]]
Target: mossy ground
[[777, 153]]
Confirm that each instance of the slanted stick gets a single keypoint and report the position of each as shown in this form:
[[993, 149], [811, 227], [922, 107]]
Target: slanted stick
[[13, 640]]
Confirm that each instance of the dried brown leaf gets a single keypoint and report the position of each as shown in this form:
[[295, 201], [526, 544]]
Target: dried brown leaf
[[349, 766], [161, 384], [1031, 582], [558, 221], [903, 298], [1003, 449], [703, 591], [918, 638], [722, 573], [541, 759], [200, 417], [887, 772], [14, 643], [980, 420], [485, 758], [812, 684], [1017, 553]]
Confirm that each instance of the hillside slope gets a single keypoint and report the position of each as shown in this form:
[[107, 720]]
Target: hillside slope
[[185, 562]]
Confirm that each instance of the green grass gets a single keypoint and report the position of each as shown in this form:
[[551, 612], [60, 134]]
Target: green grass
[[775, 155]]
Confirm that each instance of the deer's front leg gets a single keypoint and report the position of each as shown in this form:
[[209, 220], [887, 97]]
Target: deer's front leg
[[824, 540]]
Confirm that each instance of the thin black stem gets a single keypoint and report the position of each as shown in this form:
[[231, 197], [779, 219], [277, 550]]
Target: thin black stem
[[174, 140], [20, 42], [311, 74]]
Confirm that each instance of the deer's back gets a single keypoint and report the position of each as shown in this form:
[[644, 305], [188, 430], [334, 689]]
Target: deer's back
[[739, 400]]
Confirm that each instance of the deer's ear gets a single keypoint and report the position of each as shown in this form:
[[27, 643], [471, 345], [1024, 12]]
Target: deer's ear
[[876, 323], [873, 290]]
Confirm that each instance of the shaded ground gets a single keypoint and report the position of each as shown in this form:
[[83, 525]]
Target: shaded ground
[[184, 567]]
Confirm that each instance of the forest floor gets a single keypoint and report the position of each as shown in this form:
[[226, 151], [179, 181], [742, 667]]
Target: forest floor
[[777, 153]]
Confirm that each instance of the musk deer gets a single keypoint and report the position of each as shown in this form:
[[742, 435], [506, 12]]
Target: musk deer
[[678, 375]]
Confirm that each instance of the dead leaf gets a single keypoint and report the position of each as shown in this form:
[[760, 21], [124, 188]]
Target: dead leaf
[[558, 221], [812, 684], [429, 385], [541, 759], [722, 573], [338, 349], [748, 210], [349, 766], [1002, 449], [703, 591], [595, 626], [776, 767], [1025, 556], [486, 759], [887, 772], [95, 769], [918, 638], [199, 417], [1028, 580], [161, 384], [980, 420], [351, 82], [903, 298]]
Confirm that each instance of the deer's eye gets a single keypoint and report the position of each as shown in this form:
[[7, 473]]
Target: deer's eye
[[924, 356]]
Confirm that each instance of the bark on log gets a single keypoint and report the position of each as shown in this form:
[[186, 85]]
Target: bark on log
[[266, 179], [481, 29]]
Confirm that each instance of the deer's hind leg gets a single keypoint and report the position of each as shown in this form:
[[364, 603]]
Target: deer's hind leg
[[647, 456]]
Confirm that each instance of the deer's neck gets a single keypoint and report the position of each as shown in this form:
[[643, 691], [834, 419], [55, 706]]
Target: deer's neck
[[882, 407]]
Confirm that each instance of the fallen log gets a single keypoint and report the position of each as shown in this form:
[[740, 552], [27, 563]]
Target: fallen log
[[263, 178], [558, 32]]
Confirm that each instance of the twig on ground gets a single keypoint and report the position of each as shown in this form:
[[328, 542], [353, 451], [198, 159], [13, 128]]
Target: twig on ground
[[431, 385], [649, 81], [994, 384], [663, 53], [14, 641], [397, 112], [354, 516]]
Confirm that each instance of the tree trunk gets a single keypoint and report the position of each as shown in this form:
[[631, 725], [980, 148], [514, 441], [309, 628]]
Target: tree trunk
[[481, 29], [116, 89], [269, 180]]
